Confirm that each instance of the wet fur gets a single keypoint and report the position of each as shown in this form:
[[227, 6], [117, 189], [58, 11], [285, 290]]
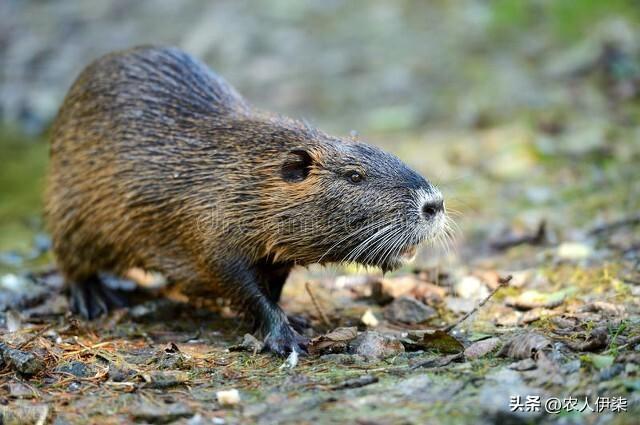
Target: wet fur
[[158, 163]]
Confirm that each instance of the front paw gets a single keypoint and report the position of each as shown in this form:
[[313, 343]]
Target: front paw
[[282, 340]]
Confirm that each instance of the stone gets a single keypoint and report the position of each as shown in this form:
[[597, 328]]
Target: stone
[[470, 287], [373, 345], [23, 362], [408, 310], [77, 369]]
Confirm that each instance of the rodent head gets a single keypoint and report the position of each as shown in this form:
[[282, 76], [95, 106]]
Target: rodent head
[[348, 201]]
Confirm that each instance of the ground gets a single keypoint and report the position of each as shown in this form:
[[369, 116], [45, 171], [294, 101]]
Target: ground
[[533, 138]]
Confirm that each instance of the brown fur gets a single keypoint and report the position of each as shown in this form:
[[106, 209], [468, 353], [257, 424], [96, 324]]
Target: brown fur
[[158, 163]]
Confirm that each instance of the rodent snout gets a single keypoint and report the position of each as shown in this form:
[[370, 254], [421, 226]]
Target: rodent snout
[[432, 207]]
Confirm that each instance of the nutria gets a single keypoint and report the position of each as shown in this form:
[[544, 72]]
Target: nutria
[[158, 163]]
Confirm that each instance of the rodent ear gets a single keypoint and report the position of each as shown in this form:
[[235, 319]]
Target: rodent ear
[[297, 165]]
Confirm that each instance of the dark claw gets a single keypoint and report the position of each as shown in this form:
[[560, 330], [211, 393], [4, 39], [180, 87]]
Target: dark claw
[[283, 340], [80, 301], [92, 298]]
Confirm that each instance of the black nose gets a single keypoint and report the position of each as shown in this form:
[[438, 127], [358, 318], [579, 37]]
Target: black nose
[[431, 208]]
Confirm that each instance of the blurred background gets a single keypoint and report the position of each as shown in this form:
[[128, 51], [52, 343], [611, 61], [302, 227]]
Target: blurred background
[[522, 111]]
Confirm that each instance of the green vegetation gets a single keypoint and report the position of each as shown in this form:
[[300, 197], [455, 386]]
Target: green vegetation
[[21, 186], [568, 20]]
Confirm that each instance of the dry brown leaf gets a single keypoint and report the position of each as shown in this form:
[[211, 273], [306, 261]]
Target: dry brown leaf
[[524, 346], [481, 348], [434, 340], [334, 341], [533, 299], [534, 315]]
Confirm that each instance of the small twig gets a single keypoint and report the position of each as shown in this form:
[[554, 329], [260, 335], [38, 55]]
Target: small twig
[[624, 222], [88, 348], [502, 282], [323, 316]]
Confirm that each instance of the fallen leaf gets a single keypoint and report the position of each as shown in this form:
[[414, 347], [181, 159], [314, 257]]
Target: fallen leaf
[[481, 348], [434, 340], [524, 346], [534, 315], [333, 342], [533, 299]]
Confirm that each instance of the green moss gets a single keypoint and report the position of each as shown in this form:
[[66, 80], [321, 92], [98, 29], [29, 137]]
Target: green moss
[[566, 21], [21, 186], [571, 19]]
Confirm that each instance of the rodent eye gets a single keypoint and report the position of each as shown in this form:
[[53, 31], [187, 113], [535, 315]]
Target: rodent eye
[[355, 177]]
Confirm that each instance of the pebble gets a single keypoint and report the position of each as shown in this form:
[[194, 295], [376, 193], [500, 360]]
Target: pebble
[[573, 251], [369, 319], [408, 310], [228, 397], [24, 362], [373, 345], [76, 368], [161, 414], [470, 287]]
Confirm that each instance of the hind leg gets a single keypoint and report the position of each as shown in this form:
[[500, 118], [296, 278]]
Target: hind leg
[[93, 297]]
